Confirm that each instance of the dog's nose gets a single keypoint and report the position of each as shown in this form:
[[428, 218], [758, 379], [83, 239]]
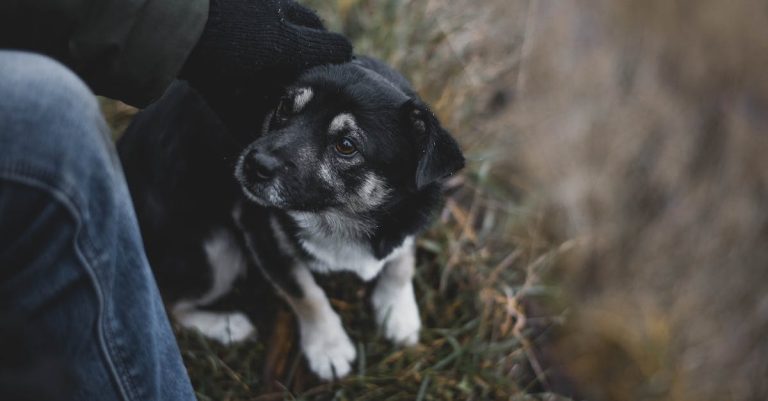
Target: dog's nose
[[260, 167]]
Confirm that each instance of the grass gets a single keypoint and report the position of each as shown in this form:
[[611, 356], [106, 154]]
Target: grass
[[478, 276]]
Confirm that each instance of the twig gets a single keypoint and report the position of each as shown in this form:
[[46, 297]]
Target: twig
[[466, 232], [525, 48], [516, 310]]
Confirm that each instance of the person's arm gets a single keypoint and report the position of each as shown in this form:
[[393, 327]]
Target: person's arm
[[125, 49], [131, 50]]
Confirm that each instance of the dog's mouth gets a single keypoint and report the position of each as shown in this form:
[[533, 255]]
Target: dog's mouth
[[269, 195], [266, 194], [250, 189], [253, 196]]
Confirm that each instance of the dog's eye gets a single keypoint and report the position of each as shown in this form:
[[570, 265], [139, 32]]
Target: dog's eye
[[345, 147]]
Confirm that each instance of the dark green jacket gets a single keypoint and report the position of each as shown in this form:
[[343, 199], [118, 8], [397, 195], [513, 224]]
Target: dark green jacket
[[124, 49]]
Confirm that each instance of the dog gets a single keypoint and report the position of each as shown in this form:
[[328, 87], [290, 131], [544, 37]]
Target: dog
[[341, 172]]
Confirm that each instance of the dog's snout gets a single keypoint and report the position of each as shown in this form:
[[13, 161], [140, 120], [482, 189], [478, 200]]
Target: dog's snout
[[260, 166]]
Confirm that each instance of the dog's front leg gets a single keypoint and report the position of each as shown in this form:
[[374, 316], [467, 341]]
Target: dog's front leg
[[394, 302], [324, 342], [326, 345]]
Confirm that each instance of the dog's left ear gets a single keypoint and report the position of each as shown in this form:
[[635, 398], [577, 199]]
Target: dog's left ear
[[440, 154]]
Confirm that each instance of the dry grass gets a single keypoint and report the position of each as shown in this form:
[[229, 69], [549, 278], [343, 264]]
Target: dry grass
[[646, 131], [617, 181]]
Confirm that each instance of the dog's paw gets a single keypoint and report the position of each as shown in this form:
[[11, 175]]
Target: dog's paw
[[328, 349], [397, 315], [226, 328]]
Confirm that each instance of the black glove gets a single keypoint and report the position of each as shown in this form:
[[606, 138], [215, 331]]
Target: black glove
[[248, 43]]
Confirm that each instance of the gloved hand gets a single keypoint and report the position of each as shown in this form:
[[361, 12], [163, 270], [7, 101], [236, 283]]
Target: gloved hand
[[249, 42]]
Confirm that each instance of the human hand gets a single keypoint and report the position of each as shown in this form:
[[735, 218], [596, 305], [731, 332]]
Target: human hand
[[247, 43]]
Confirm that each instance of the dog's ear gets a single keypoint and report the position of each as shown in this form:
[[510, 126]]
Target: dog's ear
[[440, 155]]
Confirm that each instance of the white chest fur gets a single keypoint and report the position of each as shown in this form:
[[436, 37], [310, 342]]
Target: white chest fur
[[338, 254]]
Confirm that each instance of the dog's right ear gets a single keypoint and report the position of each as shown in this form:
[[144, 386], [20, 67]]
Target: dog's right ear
[[440, 155]]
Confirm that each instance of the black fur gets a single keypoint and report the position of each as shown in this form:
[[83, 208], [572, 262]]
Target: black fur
[[180, 162]]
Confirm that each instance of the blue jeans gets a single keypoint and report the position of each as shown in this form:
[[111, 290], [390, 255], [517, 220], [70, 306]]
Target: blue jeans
[[80, 314]]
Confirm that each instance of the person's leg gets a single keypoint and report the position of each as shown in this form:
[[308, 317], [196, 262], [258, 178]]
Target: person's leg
[[80, 314]]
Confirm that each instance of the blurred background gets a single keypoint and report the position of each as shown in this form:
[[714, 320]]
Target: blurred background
[[609, 237]]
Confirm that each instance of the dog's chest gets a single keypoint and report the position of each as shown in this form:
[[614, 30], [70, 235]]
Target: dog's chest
[[339, 254]]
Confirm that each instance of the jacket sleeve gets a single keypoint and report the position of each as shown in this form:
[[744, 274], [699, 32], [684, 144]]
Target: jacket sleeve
[[129, 50]]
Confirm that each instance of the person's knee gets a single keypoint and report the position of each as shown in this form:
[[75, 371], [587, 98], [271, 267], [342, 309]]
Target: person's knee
[[37, 85], [50, 122], [44, 104]]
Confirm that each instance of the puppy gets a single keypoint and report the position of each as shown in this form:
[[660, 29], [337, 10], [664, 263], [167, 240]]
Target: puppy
[[342, 175]]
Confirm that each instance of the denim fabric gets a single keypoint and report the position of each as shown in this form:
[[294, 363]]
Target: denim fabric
[[80, 314]]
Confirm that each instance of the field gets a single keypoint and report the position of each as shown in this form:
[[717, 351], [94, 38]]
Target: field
[[608, 239]]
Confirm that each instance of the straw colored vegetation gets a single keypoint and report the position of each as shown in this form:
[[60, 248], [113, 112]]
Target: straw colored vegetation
[[609, 237]]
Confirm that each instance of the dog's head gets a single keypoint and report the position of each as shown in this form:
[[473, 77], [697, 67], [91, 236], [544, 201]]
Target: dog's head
[[345, 137]]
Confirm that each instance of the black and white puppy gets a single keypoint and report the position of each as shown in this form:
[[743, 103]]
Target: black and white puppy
[[342, 175]]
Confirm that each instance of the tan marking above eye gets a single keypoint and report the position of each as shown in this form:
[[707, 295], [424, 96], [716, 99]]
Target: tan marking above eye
[[301, 98], [342, 121]]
